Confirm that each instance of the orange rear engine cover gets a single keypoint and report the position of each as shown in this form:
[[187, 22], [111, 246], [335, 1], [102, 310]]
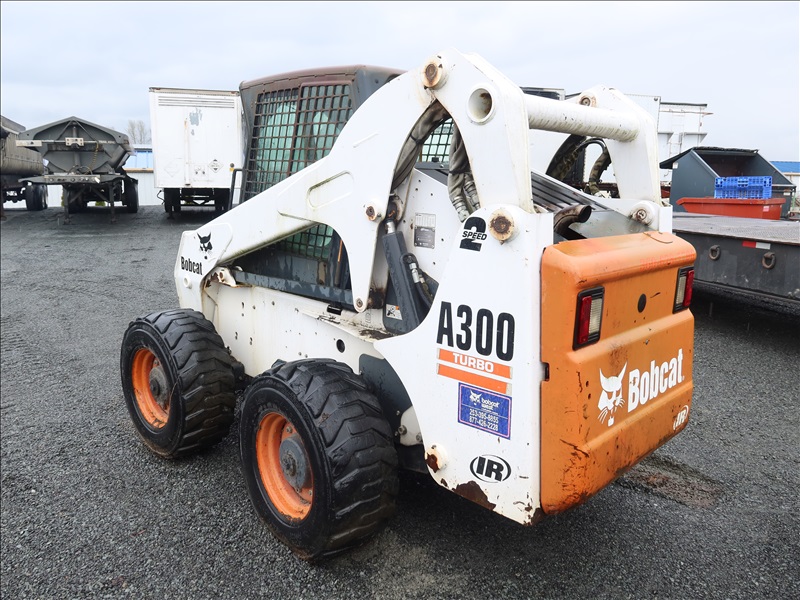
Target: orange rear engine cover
[[607, 405]]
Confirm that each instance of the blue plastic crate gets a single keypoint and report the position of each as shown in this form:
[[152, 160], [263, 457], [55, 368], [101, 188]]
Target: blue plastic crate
[[743, 187], [722, 182]]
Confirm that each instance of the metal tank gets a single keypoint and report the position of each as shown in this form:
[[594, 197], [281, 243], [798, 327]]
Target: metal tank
[[87, 160], [17, 163]]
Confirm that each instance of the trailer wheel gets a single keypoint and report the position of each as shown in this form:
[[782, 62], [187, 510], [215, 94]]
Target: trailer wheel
[[172, 201], [35, 197], [75, 202], [318, 457], [221, 200], [131, 196], [178, 382]]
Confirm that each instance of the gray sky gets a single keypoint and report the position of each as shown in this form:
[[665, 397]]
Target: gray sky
[[96, 60]]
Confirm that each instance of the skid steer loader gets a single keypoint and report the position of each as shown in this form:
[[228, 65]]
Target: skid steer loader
[[519, 340]]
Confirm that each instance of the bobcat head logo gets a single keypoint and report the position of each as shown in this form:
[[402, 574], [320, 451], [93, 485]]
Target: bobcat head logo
[[611, 398], [205, 243], [474, 397]]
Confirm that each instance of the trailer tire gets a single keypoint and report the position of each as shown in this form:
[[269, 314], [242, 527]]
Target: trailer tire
[[178, 382], [74, 200], [318, 457], [131, 196], [172, 201], [35, 197], [221, 201]]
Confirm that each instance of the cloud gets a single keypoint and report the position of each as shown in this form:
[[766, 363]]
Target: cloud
[[97, 60]]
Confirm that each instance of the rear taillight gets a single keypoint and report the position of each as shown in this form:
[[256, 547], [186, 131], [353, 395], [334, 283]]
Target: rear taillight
[[683, 290], [589, 315]]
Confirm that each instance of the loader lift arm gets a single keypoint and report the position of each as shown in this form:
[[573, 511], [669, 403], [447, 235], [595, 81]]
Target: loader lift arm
[[373, 153]]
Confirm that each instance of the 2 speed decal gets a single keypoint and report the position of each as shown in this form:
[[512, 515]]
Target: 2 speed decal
[[474, 234]]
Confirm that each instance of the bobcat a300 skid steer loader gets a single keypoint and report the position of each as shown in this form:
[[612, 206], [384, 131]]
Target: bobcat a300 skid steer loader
[[521, 341]]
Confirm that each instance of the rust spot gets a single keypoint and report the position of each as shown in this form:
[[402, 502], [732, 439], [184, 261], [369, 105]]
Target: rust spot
[[430, 72], [433, 74], [500, 224], [374, 334], [473, 492], [432, 462], [444, 484], [537, 515]]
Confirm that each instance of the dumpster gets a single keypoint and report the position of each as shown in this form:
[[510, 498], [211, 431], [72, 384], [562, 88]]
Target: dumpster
[[718, 172], [753, 208]]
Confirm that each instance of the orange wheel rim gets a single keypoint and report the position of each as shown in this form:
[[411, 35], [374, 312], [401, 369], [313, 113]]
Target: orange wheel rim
[[150, 388], [284, 467]]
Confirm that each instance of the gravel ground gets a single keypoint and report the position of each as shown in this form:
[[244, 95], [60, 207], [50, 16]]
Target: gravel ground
[[88, 512]]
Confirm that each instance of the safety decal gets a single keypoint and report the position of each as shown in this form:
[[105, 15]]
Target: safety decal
[[424, 230], [393, 312], [484, 410]]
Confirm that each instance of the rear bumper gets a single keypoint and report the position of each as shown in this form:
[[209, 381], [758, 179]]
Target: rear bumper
[[607, 405]]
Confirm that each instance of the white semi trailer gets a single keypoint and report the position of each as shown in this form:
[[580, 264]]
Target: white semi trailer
[[197, 143]]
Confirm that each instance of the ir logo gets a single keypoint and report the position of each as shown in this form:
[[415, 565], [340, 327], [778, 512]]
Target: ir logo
[[489, 468], [681, 417]]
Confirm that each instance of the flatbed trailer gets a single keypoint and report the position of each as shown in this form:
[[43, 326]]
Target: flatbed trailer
[[756, 257]]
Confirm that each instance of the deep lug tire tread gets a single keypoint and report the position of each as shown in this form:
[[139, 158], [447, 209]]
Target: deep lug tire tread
[[358, 447], [202, 368]]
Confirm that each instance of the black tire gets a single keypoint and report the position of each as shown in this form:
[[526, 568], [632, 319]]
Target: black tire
[[30, 200], [43, 195], [172, 201], [318, 457], [75, 203], [177, 201], [221, 201], [178, 382], [131, 196], [35, 197]]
